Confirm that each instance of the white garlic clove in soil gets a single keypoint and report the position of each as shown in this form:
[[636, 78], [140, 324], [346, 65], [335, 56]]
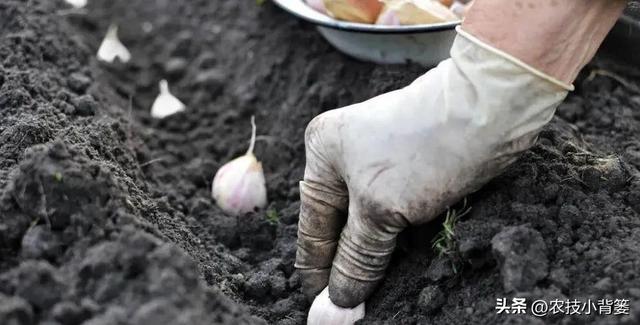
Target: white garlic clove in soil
[[166, 104], [77, 3], [324, 312], [111, 47], [239, 186], [414, 12]]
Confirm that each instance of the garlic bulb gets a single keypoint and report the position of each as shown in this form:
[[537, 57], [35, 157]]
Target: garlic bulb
[[166, 104], [77, 3], [324, 312], [239, 186], [111, 47]]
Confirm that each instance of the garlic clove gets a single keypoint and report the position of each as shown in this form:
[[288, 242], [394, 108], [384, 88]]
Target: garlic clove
[[166, 104], [360, 11], [414, 12], [324, 312], [388, 17], [460, 9], [318, 5], [111, 47], [77, 3], [239, 186]]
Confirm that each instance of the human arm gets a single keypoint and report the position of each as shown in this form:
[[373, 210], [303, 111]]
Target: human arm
[[403, 157]]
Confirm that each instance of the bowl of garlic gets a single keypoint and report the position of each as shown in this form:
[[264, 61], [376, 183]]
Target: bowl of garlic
[[384, 31]]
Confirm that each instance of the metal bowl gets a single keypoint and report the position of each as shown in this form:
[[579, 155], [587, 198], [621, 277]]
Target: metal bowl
[[423, 44]]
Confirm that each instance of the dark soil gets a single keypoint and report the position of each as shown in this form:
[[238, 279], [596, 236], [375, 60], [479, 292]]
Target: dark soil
[[106, 215]]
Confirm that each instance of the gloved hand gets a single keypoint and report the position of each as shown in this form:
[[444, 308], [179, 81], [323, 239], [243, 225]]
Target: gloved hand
[[402, 158]]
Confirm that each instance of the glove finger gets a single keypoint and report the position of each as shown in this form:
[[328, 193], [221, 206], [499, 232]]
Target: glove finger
[[322, 216], [323, 209], [362, 257]]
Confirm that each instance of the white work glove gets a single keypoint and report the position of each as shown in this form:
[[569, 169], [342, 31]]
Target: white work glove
[[402, 158]]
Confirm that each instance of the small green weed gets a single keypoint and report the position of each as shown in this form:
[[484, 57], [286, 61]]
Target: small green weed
[[445, 241], [272, 217]]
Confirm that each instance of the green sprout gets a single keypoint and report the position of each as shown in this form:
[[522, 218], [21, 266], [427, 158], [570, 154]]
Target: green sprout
[[260, 2], [58, 177], [272, 217], [444, 243]]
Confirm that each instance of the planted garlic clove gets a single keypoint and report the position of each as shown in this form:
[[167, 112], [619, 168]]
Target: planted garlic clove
[[414, 12], [360, 11], [239, 186], [111, 47], [77, 3], [324, 312], [166, 104], [318, 5]]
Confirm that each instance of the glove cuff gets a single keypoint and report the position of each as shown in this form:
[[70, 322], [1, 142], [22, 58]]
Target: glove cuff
[[513, 59]]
